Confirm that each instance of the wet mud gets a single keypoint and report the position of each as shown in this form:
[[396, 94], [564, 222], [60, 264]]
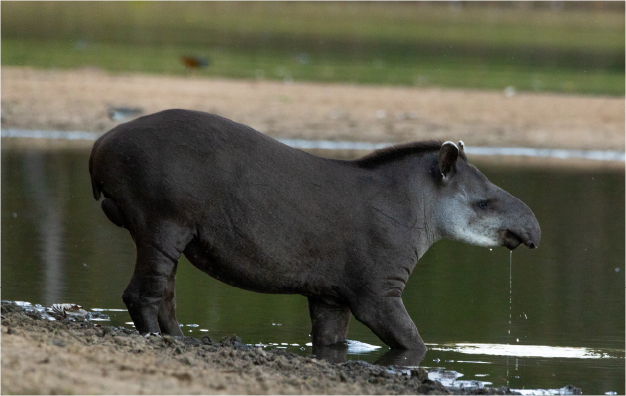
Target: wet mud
[[66, 352]]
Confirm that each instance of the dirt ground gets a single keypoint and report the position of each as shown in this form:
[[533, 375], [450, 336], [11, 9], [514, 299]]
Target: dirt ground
[[78, 100], [41, 356]]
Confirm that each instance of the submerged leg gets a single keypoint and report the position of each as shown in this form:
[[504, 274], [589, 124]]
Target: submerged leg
[[389, 320], [167, 310], [144, 293], [329, 322]]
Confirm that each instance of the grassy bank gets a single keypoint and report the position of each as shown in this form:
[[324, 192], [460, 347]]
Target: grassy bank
[[416, 44]]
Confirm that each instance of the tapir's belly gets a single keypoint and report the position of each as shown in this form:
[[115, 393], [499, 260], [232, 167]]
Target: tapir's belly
[[239, 269]]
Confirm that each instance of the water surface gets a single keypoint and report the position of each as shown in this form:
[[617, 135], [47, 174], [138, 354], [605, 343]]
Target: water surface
[[567, 297]]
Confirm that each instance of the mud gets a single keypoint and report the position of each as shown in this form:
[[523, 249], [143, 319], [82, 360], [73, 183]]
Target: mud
[[70, 355]]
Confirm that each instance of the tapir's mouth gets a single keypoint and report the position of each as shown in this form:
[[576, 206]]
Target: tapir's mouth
[[511, 240]]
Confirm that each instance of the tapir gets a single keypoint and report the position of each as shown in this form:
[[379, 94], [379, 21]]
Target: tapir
[[262, 216]]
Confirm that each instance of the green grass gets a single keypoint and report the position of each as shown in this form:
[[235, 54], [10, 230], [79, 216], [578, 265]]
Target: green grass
[[478, 46], [288, 67]]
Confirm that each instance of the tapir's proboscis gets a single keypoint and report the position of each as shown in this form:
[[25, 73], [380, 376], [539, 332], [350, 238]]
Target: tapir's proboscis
[[260, 215]]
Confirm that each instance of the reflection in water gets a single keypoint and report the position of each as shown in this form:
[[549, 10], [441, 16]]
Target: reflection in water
[[338, 353], [402, 358], [50, 227]]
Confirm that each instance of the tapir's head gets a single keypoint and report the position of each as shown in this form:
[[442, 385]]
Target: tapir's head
[[471, 209]]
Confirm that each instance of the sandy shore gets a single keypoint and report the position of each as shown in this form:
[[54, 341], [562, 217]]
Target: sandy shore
[[79, 100]]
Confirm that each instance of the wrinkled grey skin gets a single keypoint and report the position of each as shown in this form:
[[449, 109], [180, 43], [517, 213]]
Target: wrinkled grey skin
[[262, 216]]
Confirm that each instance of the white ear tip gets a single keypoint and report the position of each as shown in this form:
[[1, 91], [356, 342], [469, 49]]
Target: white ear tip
[[451, 143], [461, 144]]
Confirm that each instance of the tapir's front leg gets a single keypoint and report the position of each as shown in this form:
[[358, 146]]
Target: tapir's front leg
[[389, 320], [329, 322], [167, 310], [144, 294]]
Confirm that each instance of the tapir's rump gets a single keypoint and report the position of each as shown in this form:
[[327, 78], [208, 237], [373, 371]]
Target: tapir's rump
[[262, 216]]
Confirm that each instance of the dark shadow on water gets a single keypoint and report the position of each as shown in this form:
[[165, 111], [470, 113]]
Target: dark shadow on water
[[402, 358], [338, 353]]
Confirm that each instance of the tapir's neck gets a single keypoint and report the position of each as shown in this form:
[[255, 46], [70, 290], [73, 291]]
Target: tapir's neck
[[428, 233], [416, 185]]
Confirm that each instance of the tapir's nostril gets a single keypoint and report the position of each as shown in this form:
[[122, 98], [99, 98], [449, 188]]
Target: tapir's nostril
[[530, 245]]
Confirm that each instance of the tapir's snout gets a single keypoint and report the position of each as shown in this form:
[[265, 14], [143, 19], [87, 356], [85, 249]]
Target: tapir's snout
[[530, 244], [534, 232], [525, 231]]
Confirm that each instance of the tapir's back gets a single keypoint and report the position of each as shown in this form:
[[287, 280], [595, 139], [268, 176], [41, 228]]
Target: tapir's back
[[182, 154]]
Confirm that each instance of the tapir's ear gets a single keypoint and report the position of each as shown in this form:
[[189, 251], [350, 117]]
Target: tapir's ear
[[448, 155]]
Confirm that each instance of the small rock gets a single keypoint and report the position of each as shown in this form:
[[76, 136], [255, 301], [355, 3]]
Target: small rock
[[58, 342], [183, 377]]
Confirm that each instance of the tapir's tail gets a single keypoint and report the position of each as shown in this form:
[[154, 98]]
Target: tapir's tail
[[95, 189], [110, 208]]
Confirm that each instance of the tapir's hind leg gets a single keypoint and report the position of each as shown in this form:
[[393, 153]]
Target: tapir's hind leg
[[329, 322], [167, 310], [153, 280], [389, 320]]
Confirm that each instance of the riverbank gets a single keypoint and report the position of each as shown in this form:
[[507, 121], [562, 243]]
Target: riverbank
[[75, 356], [80, 100]]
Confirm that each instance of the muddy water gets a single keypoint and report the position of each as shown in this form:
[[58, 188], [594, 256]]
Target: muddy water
[[566, 300]]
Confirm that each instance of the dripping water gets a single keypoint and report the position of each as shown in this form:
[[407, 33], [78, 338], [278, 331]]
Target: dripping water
[[510, 301], [510, 286]]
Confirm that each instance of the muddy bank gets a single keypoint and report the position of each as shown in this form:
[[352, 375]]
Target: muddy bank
[[77, 356]]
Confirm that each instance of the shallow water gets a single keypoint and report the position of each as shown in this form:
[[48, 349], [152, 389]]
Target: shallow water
[[566, 299]]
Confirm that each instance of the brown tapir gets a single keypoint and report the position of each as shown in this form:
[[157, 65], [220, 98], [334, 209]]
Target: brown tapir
[[257, 214]]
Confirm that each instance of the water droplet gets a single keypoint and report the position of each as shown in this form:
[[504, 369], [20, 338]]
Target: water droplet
[[517, 339], [617, 269], [14, 214]]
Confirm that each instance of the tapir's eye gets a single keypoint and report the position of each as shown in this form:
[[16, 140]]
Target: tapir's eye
[[483, 204]]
